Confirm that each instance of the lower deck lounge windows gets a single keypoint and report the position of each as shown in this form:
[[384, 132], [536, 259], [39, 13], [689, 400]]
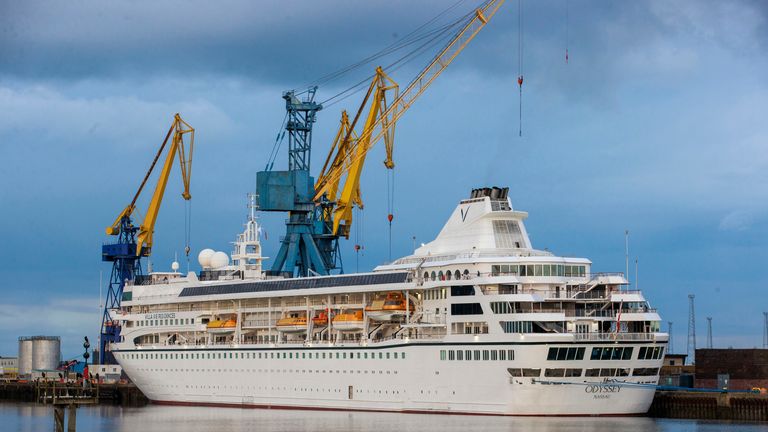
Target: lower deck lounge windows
[[562, 372], [607, 372], [525, 372]]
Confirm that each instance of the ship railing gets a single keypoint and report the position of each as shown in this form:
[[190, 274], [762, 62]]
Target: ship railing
[[614, 337]]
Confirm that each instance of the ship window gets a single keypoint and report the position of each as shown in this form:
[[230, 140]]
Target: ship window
[[627, 354], [537, 270], [494, 355], [433, 276], [502, 355], [477, 354], [395, 356], [596, 352], [558, 373], [593, 372], [387, 356], [467, 355], [448, 275], [515, 372], [466, 309], [507, 234], [531, 372], [529, 270], [462, 290], [402, 355], [440, 275], [573, 372], [459, 355], [608, 372], [562, 353], [442, 355], [457, 275], [486, 355], [510, 354], [426, 275]]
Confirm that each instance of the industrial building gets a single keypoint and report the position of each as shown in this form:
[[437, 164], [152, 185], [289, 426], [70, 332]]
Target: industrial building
[[732, 369]]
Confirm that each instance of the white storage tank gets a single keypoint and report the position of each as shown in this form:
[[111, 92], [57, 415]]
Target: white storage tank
[[25, 356], [46, 352]]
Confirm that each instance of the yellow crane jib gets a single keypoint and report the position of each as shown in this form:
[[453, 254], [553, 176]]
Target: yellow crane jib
[[179, 128], [380, 124], [342, 160]]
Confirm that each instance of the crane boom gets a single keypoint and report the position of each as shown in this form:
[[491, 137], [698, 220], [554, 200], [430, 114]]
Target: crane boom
[[370, 136], [347, 141], [178, 129]]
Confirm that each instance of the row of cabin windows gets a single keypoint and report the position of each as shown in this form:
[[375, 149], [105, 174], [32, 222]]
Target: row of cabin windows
[[566, 353], [539, 270], [447, 275], [271, 355], [611, 353], [517, 326], [595, 372], [435, 294], [165, 322], [491, 355], [650, 353]]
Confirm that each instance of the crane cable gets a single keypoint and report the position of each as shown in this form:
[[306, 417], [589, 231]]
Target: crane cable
[[406, 40], [567, 19], [390, 174], [438, 36], [520, 61]]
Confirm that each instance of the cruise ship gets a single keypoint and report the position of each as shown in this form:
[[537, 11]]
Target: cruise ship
[[476, 321]]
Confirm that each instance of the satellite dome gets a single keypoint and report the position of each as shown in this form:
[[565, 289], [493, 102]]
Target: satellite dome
[[219, 260], [204, 257], [175, 266]]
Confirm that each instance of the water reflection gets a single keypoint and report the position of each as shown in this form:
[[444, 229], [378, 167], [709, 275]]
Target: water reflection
[[33, 418]]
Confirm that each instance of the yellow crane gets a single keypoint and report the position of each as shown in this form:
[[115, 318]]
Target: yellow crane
[[349, 149], [347, 141], [179, 128]]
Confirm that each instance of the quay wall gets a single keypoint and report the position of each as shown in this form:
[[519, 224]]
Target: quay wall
[[710, 405]]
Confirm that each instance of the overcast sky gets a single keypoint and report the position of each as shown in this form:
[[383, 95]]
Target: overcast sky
[[657, 124]]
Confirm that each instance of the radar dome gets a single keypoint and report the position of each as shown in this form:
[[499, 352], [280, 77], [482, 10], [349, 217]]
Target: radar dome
[[175, 266], [219, 260], [204, 257]]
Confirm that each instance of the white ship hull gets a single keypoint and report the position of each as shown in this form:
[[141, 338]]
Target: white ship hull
[[420, 382]]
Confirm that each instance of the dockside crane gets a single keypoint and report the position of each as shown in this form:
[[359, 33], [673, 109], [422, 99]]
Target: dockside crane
[[134, 242], [319, 213], [349, 154]]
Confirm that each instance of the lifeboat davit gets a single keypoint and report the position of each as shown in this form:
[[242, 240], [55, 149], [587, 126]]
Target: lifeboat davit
[[349, 321], [222, 326], [320, 320], [389, 308], [292, 324]]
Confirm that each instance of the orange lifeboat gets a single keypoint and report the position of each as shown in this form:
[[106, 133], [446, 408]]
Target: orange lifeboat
[[391, 307], [349, 321], [222, 326], [320, 320], [293, 324]]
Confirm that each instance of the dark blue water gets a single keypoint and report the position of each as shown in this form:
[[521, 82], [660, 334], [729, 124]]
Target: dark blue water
[[34, 418]]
